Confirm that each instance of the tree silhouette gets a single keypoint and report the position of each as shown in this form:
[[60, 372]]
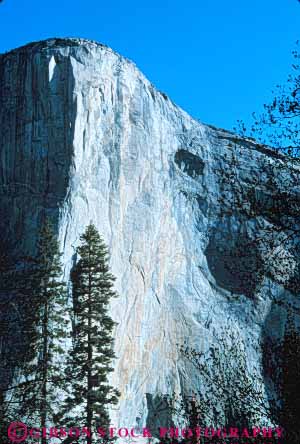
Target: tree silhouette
[[31, 392], [273, 199]]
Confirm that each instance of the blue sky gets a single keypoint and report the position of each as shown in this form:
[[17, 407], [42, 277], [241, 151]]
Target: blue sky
[[218, 60]]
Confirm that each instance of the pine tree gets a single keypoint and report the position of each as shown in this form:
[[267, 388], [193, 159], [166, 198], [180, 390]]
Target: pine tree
[[13, 344], [92, 353], [45, 331]]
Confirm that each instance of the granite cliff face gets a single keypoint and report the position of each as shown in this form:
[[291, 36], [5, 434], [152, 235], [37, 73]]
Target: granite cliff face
[[86, 137]]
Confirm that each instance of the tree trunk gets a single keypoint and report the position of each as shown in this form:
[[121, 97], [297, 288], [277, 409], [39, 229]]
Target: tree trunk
[[89, 410]]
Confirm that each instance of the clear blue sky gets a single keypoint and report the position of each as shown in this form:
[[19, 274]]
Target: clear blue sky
[[219, 60]]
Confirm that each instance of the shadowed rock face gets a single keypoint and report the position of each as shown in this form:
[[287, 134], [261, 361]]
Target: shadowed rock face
[[189, 163], [86, 137], [234, 261]]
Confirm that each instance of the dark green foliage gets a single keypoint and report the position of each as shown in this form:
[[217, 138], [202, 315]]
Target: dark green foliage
[[13, 341], [224, 371], [92, 353], [231, 395], [274, 198], [43, 300]]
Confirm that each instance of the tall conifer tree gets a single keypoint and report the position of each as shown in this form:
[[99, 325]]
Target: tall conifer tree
[[92, 353], [45, 330]]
